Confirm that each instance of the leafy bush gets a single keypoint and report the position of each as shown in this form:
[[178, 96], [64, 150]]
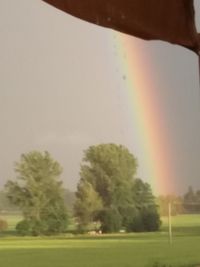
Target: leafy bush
[[56, 224], [144, 220], [151, 220], [38, 227], [42, 227], [23, 227], [136, 224], [111, 221]]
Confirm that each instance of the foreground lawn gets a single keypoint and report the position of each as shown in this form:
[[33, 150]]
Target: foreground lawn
[[121, 250], [137, 250]]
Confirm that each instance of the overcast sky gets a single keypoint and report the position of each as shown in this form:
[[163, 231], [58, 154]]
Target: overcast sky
[[59, 92]]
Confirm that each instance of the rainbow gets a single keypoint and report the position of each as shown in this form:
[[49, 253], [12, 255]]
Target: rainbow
[[147, 114]]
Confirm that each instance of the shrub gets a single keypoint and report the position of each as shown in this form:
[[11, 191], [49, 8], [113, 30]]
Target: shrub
[[136, 224], [56, 225], [23, 227], [151, 220], [38, 227], [111, 221], [144, 220], [50, 225]]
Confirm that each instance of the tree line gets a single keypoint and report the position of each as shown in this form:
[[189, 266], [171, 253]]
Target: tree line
[[188, 203], [109, 196]]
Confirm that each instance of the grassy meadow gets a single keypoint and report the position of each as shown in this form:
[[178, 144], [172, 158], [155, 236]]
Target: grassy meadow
[[117, 250]]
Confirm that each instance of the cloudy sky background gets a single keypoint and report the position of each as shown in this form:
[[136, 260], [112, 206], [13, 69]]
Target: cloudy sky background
[[59, 91]]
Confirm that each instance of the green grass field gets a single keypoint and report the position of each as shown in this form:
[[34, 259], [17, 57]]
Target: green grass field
[[121, 250]]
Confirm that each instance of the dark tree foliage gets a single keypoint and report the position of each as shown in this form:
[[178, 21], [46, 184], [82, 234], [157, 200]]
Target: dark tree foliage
[[145, 216], [111, 220]]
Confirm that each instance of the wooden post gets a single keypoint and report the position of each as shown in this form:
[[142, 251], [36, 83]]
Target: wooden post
[[169, 223]]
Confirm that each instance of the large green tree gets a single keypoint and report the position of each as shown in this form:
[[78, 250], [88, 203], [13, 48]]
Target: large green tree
[[38, 192], [109, 170]]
